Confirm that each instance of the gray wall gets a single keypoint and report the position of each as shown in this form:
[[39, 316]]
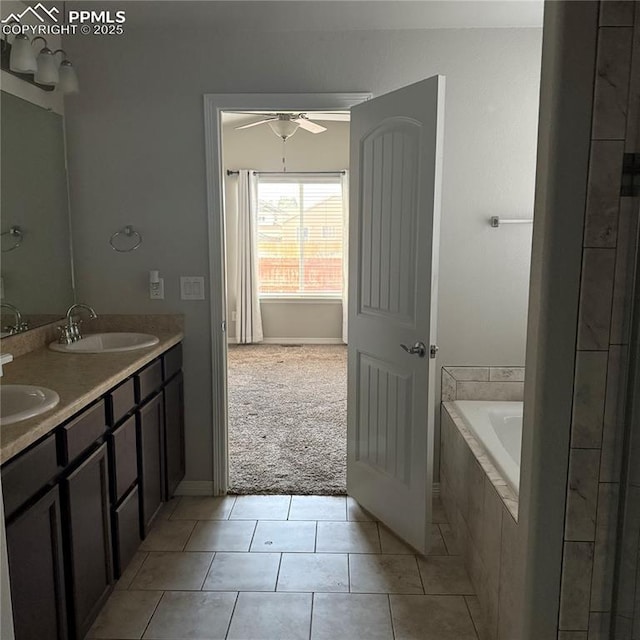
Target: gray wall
[[136, 143], [258, 148]]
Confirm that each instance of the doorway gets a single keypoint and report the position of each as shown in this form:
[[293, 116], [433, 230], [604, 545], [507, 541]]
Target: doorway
[[286, 205], [215, 105]]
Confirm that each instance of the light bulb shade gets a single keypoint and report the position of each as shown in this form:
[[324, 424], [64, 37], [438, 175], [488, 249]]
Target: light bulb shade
[[22, 59], [47, 72], [68, 78], [283, 128]]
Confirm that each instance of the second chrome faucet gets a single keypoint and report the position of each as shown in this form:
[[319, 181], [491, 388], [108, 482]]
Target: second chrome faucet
[[70, 332]]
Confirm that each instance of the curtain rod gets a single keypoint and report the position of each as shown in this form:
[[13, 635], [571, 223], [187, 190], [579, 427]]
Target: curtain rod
[[230, 172]]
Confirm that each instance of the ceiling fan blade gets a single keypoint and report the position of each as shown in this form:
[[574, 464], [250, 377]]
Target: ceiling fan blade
[[255, 124], [307, 125], [337, 117]]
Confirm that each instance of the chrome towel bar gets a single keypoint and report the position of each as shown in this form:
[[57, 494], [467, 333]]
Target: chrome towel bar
[[496, 221]]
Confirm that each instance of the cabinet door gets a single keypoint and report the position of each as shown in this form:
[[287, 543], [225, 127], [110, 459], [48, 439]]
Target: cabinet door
[[151, 459], [174, 432], [91, 562], [36, 571]]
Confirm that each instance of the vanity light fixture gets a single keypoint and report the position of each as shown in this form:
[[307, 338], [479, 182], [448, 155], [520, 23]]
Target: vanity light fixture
[[47, 71], [22, 59]]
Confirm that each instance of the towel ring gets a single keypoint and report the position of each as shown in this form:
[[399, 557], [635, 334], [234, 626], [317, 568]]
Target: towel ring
[[128, 231], [16, 233]]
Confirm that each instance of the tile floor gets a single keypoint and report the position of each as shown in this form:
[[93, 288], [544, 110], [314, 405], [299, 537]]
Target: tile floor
[[288, 567]]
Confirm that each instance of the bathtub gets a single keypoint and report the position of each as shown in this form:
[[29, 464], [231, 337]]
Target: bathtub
[[498, 428]]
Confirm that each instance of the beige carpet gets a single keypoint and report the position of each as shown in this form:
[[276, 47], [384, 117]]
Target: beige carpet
[[288, 419]]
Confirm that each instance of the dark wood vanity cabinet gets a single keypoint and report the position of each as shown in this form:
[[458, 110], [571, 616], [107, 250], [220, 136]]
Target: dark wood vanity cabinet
[[36, 567], [174, 433], [151, 459], [78, 502], [86, 490]]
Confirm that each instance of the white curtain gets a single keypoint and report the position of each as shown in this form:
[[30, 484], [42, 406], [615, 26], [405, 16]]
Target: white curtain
[[248, 314], [345, 257]]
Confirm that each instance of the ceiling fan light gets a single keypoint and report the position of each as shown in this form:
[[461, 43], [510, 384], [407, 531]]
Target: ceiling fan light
[[283, 128]]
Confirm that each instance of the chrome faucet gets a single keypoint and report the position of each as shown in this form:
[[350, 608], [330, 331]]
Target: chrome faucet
[[20, 325], [70, 332]]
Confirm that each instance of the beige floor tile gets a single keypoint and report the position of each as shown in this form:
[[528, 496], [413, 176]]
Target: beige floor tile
[[243, 572], [375, 573], [356, 513], [431, 618], [173, 571], [192, 615], [445, 575], [350, 615], [130, 572], [438, 516], [271, 616], [273, 536], [168, 535], [318, 508], [453, 549], [203, 508], [261, 508], [222, 535], [438, 547], [313, 572], [348, 537], [479, 621], [167, 509], [390, 543], [125, 615]]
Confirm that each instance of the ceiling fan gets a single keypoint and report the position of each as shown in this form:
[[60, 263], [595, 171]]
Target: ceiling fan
[[284, 125]]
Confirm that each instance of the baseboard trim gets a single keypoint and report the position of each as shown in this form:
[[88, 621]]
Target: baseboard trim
[[195, 488], [295, 341]]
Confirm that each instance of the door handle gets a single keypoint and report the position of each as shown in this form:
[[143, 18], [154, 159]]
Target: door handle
[[419, 349]]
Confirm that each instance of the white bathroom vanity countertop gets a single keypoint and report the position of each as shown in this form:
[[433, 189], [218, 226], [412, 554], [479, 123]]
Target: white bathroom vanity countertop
[[79, 379]]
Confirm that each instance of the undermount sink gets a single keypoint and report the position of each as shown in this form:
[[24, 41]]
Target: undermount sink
[[107, 343], [22, 401]]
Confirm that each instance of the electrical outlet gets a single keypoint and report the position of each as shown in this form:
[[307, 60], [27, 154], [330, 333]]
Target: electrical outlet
[[156, 290]]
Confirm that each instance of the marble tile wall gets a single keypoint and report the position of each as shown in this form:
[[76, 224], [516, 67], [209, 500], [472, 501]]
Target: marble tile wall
[[482, 383], [609, 248], [483, 525]]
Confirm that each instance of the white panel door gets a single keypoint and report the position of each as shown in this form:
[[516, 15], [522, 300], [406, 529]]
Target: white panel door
[[396, 166]]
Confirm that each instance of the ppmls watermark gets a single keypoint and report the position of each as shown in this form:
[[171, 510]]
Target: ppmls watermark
[[46, 21]]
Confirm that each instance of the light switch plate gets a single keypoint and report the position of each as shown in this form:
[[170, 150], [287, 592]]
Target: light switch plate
[[192, 287]]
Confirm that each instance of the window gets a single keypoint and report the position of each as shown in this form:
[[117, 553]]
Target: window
[[300, 222]]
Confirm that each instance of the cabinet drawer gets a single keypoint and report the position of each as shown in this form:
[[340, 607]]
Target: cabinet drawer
[[24, 477], [172, 361], [127, 530], [79, 434], [148, 380], [121, 401], [125, 457]]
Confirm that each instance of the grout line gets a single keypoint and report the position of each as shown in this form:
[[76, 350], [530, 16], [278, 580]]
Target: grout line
[[233, 610], [289, 507], [473, 622], [349, 572], [213, 555], [253, 535], [313, 598], [275, 587], [153, 614], [393, 626], [415, 559], [315, 539], [195, 523]]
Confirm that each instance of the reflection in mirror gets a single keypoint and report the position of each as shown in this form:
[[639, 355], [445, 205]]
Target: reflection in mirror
[[36, 272]]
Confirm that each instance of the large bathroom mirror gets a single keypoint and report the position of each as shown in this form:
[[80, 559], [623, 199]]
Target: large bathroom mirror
[[35, 266]]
